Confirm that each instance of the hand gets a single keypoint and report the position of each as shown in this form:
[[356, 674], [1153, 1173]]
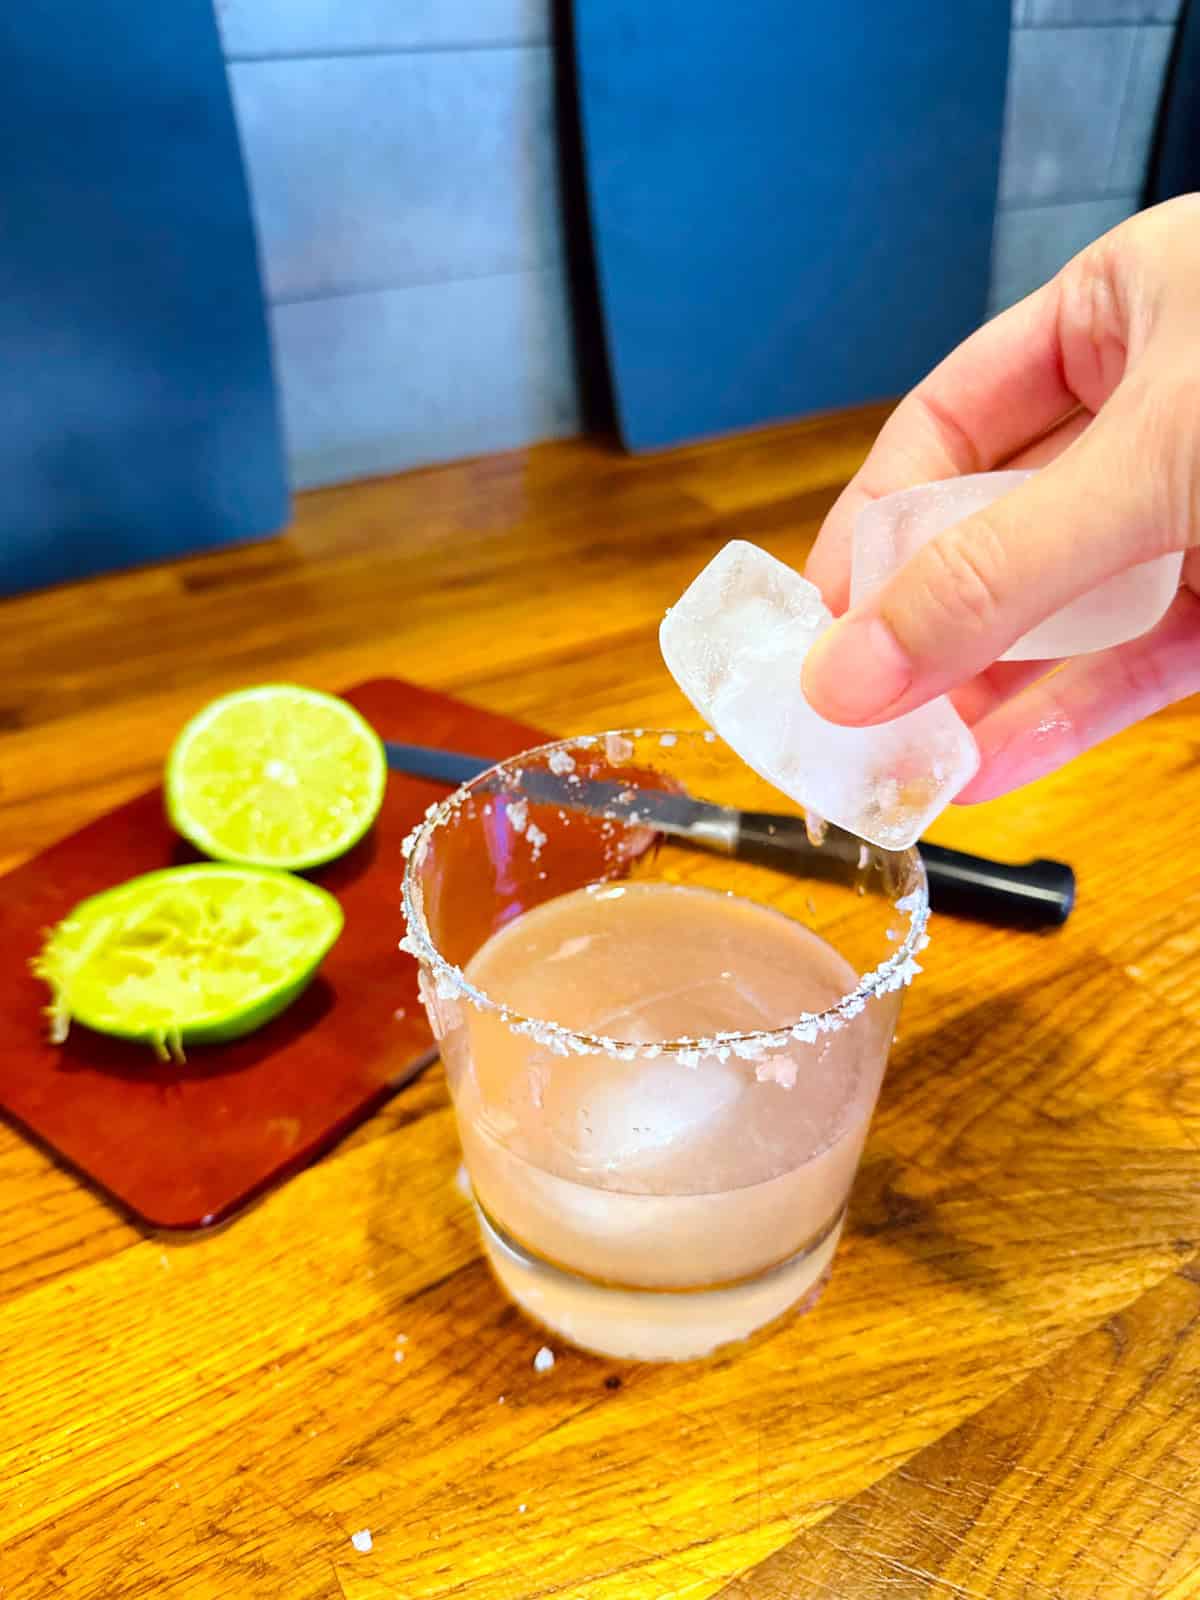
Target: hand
[[1096, 379]]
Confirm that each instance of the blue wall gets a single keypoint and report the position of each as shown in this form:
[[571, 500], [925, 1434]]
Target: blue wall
[[401, 160], [1085, 80], [139, 405], [402, 165]]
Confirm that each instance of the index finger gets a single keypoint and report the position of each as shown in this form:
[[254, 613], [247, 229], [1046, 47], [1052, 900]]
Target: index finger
[[999, 391]]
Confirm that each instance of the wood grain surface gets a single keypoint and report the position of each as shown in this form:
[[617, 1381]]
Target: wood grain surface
[[998, 1394]]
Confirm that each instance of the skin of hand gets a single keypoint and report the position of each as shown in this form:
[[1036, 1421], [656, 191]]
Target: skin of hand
[[1095, 378]]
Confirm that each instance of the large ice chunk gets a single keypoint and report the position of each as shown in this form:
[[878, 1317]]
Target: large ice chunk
[[614, 1117], [890, 530], [735, 643]]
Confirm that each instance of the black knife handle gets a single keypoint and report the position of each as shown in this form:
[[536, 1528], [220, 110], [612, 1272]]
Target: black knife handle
[[1036, 894]]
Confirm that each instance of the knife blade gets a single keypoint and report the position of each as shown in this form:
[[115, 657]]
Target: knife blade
[[663, 810], [1032, 894]]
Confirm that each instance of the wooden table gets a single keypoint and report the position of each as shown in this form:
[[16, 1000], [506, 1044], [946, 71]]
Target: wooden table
[[998, 1394]]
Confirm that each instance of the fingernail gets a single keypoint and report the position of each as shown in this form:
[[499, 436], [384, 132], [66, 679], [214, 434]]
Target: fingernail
[[856, 671]]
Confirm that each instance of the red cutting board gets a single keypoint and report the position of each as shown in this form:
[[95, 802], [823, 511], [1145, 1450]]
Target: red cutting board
[[188, 1146]]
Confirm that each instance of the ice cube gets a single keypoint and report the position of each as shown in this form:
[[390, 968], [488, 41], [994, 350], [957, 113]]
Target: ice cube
[[616, 1116], [890, 530], [735, 643]]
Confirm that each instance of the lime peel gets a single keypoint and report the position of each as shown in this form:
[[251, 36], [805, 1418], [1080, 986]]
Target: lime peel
[[194, 954]]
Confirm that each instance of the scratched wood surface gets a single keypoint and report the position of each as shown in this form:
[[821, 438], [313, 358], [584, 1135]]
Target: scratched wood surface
[[998, 1395]]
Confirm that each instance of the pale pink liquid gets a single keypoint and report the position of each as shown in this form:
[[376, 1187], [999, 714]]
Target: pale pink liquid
[[655, 1175]]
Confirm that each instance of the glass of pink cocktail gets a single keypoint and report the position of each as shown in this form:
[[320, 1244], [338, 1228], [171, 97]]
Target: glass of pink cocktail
[[663, 1058]]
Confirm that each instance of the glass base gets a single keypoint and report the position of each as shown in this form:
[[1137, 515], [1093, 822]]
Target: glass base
[[652, 1324]]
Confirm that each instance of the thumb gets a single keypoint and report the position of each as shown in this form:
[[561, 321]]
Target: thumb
[[975, 589]]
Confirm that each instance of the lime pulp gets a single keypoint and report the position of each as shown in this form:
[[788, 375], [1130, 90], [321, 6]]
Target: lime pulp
[[187, 955]]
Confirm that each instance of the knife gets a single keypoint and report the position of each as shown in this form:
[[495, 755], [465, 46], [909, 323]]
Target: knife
[[1035, 894]]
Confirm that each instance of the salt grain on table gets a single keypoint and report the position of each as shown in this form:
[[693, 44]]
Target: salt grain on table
[[544, 1360], [362, 1540]]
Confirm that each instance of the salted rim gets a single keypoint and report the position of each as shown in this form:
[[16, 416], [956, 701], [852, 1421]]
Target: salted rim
[[452, 983]]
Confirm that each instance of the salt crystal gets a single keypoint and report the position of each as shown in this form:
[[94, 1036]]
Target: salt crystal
[[521, 1509], [888, 531], [518, 814], [617, 748], [777, 1069], [667, 740], [362, 1540], [538, 1077], [736, 642], [536, 839], [561, 762], [544, 1360], [397, 1356]]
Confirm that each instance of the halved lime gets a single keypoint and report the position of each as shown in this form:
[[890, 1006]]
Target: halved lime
[[276, 776], [188, 955]]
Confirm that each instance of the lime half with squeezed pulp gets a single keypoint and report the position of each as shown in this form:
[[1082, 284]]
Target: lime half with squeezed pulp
[[276, 776], [188, 955]]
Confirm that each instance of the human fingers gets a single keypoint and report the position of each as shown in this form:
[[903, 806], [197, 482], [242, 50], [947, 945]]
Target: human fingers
[[995, 398], [1051, 444], [990, 688], [1088, 700], [966, 596]]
